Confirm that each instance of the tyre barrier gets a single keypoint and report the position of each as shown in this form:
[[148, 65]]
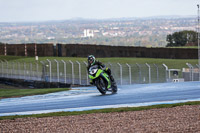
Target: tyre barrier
[[33, 84]]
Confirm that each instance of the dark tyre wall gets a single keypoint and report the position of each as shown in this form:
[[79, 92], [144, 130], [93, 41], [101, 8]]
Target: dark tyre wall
[[83, 50]]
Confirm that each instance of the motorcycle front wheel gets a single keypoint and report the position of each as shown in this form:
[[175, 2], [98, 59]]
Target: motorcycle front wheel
[[101, 86]]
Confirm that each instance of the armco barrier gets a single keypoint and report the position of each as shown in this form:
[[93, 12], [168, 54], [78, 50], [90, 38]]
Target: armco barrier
[[33, 84]]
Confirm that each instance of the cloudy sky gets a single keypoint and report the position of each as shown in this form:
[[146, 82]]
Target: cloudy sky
[[42, 10]]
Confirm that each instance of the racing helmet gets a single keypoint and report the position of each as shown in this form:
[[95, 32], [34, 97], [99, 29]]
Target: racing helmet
[[91, 59]]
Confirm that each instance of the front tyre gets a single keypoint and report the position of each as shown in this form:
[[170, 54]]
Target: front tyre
[[101, 86]]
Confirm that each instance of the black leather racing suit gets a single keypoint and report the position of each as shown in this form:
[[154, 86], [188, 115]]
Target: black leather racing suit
[[106, 69]]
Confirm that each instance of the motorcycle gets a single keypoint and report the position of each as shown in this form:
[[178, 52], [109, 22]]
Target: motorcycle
[[101, 80]]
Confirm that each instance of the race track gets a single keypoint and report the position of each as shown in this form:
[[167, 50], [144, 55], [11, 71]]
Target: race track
[[87, 98]]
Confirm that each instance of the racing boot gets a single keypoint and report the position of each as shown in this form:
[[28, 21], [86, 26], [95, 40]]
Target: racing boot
[[112, 80], [113, 84]]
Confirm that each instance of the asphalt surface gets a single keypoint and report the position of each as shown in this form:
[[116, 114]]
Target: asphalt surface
[[86, 98]]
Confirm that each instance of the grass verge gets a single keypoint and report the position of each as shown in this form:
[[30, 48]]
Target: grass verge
[[7, 93], [171, 63], [109, 110]]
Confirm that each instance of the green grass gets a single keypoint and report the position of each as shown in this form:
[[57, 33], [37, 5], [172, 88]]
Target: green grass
[[13, 92], [10, 58], [109, 110], [171, 63], [32, 59]]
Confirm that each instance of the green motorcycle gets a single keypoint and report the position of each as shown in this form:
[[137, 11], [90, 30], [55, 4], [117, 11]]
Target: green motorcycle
[[101, 80]]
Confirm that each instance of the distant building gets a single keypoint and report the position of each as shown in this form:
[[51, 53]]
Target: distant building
[[88, 33], [51, 38]]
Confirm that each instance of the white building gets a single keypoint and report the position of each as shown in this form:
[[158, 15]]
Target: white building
[[88, 33]]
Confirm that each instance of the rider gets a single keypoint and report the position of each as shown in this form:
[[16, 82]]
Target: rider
[[92, 61]]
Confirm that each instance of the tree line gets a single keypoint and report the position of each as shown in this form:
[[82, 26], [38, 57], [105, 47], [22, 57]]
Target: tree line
[[182, 38]]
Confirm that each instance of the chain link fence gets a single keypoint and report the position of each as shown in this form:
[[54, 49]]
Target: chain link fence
[[75, 72]]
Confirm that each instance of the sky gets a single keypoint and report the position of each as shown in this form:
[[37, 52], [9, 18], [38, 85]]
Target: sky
[[44, 10]]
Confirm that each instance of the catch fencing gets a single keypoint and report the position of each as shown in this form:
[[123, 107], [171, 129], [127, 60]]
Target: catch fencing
[[192, 73], [75, 72]]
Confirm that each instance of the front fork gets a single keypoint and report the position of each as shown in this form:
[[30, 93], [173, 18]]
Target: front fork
[[106, 78]]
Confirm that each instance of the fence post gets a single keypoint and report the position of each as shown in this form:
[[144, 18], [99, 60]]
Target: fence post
[[31, 71], [65, 70], [149, 72], [19, 70], [86, 73], [58, 72], [43, 71], [37, 69], [198, 70], [12, 70], [120, 72], [140, 74], [110, 65], [1, 68], [166, 69], [157, 72], [79, 67], [72, 71], [6, 67], [129, 68], [24, 70], [50, 78], [191, 70]]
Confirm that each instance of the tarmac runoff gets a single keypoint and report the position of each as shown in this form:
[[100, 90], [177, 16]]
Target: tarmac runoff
[[125, 92]]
